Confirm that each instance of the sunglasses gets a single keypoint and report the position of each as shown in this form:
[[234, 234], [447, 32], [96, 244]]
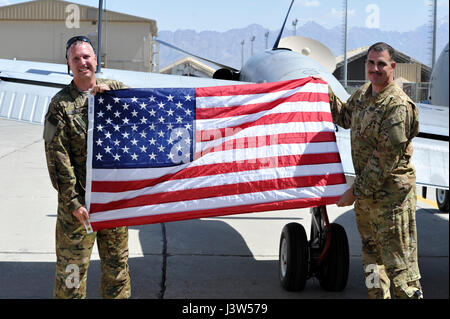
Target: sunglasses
[[72, 41], [75, 39]]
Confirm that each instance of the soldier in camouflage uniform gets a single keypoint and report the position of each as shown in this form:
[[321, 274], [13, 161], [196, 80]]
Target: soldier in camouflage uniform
[[383, 121], [65, 134]]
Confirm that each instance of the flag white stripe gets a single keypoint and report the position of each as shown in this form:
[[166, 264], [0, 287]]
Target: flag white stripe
[[287, 107], [135, 174], [223, 179], [273, 129], [225, 156], [245, 99], [220, 202]]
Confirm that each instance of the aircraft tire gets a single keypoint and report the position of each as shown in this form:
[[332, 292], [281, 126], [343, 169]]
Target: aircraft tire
[[442, 198], [334, 267], [293, 257]]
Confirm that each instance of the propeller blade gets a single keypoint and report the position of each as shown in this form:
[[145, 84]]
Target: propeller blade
[[196, 56], [275, 46]]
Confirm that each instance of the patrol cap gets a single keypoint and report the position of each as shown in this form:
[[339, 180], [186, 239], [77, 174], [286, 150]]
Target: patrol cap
[[78, 38]]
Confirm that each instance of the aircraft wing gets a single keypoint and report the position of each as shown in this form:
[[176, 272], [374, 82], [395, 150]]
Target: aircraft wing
[[430, 158], [431, 154], [433, 121], [26, 88]]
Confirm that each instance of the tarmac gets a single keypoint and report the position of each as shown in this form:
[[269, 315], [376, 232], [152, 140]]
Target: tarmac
[[229, 257]]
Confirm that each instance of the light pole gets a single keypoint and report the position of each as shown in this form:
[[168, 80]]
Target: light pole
[[242, 53], [99, 37], [252, 39], [433, 40], [266, 35], [294, 24], [345, 44]]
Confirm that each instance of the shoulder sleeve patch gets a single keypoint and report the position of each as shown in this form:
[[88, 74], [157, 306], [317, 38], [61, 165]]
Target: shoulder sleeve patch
[[50, 126], [396, 129]]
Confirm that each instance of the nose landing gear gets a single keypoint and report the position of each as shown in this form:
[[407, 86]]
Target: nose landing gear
[[325, 256]]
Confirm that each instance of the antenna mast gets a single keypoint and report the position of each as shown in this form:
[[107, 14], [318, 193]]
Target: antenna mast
[[275, 45], [433, 36], [345, 44], [99, 36]]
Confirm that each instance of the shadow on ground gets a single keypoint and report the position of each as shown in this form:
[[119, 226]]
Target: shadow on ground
[[210, 259]]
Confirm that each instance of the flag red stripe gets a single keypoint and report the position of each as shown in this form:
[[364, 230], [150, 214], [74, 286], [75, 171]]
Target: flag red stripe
[[212, 134], [252, 208], [221, 190], [260, 88], [214, 169], [239, 110], [259, 141]]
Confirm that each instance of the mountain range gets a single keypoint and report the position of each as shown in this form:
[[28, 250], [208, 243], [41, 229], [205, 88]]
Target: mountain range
[[226, 47]]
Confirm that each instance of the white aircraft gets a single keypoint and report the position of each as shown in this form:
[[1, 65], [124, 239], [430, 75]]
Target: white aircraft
[[27, 87], [435, 117]]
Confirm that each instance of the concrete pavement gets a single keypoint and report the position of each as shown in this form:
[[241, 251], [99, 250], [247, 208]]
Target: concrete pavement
[[229, 257]]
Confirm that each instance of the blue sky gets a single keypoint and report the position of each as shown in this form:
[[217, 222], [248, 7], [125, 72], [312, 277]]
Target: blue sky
[[215, 15]]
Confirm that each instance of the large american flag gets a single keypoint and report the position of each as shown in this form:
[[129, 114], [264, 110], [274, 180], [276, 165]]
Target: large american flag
[[168, 154]]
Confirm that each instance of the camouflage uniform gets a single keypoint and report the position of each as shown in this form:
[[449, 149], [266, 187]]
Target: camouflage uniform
[[65, 146], [382, 128]]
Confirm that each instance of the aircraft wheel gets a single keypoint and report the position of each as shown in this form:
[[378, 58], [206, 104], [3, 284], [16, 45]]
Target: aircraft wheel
[[442, 199], [333, 273], [293, 257]]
